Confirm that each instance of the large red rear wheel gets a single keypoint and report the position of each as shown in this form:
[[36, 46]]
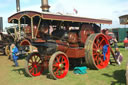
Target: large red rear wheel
[[94, 57], [58, 65], [34, 64]]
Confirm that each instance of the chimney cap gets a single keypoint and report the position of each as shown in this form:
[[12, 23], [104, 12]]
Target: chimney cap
[[45, 7]]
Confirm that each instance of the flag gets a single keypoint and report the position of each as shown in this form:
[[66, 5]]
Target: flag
[[75, 11]]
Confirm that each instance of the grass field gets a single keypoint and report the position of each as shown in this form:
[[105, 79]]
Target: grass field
[[112, 75]]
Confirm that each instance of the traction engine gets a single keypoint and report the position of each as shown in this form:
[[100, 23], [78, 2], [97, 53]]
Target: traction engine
[[62, 41]]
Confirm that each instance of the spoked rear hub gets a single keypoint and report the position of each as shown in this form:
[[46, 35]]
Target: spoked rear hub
[[58, 65], [95, 56], [34, 65]]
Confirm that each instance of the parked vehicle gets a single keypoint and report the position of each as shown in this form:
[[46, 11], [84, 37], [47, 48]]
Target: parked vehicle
[[60, 39], [5, 40]]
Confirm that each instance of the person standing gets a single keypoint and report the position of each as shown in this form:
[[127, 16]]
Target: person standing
[[118, 56], [126, 43], [115, 42], [15, 57]]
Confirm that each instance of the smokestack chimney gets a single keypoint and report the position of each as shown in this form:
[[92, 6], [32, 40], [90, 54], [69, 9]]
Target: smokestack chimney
[[45, 7], [1, 24], [18, 5]]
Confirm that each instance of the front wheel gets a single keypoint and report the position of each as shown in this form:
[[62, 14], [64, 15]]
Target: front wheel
[[34, 65], [58, 65]]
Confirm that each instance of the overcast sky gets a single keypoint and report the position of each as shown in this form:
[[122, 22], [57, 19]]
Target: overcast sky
[[104, 9]]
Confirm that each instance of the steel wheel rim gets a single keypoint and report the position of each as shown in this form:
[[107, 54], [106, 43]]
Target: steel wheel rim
[[35, 65], [97, 46]]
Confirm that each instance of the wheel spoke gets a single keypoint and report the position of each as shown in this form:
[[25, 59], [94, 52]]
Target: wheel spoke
[[55, 65], [38, 60], [58, 59], [39, 65], [31, 60], [101, 61], [62, 59], [95, 58], [94, 49], [95, 45], [61, 71], [29, 66], [63, 62], [54, 68], [56, 72], [36, 57], [98, 61], [101, 41], [31, 69], [95, 53]]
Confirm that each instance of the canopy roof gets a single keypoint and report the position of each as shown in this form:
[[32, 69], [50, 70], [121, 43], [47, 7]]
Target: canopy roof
[[58, 17], [124, 19]]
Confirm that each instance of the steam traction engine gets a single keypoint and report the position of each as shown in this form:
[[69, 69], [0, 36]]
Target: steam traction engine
[[60, 39]]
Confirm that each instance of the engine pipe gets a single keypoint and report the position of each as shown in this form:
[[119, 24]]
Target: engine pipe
[[18, 5], [44, 6]]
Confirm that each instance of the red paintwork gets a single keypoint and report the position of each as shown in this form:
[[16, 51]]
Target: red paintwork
[[39, 40], [72, 37], [25, 42], [98, 44], [62, 48], [34, 65], [74, 45], [85, 31], [74, 19], [47, 16], [19, 15], [58, 72], [75, 52]]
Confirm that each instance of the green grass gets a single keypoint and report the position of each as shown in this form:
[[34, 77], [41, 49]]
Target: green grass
[[112, 75]]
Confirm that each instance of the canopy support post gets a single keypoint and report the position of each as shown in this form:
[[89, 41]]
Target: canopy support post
[[32, 27], [19, 25]]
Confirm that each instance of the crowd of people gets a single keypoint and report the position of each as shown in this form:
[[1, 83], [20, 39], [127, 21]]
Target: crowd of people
[[118, 56]]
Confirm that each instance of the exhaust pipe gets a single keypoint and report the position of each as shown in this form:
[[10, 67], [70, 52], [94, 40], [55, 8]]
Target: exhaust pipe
[[18, 5], [45, 7], [1, 24]]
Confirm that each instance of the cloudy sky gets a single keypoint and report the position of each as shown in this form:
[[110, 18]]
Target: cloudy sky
[[104, 9]]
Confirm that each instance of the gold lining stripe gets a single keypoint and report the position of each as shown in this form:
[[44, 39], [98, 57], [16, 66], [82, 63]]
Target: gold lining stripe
[[75, 21]]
